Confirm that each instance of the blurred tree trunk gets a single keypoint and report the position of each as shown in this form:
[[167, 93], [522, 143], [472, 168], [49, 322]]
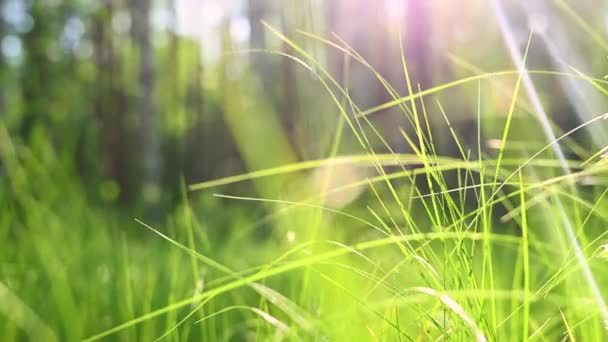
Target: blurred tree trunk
[[36, 44], [289, 99], [375, 37], [3, 70], [110, 103], [418, 43], [175, 148], [261, 63], [198, 157], [369, 37], [150, 144]]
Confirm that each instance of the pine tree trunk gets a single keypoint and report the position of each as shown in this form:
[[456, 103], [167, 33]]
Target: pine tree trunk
[[150, 144]]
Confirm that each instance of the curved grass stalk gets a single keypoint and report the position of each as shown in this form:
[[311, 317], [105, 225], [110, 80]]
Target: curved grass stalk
[[456, 308], [282, 327], [296, 265]]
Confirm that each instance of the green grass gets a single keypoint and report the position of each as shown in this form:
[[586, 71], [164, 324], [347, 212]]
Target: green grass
[[433, 248]]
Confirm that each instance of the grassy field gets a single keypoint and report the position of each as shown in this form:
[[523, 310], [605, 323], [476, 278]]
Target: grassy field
[[505, 243]]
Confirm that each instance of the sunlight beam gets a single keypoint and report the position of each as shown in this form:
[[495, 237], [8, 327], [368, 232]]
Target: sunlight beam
[[508, 36]]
